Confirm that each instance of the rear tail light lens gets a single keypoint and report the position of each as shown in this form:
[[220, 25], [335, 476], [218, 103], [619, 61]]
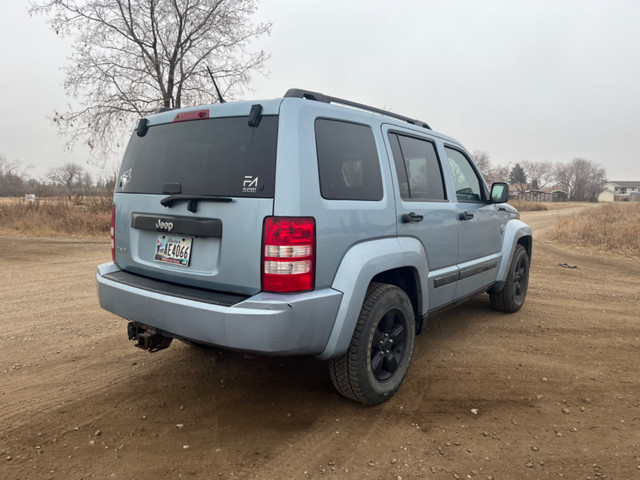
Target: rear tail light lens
[[288, 254], [113, 233]]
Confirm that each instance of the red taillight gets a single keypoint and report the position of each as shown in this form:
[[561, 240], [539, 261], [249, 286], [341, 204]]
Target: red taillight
[[288, 254], [113, 233], [195, 115]]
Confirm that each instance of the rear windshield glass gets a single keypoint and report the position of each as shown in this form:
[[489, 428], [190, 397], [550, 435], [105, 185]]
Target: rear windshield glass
[[218, 156]]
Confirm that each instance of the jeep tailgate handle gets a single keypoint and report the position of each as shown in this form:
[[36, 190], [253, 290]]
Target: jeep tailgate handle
[[466, 215], [411, 218]]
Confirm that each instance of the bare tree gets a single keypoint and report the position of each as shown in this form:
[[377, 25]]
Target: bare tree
[[107, 179], [585, 179], [490, 172], [71, 176], [132, 56], [482, 161], [541, 174], [499, 173], [12, 177]]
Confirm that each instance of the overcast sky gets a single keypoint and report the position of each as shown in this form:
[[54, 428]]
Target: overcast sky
[[522, 80]]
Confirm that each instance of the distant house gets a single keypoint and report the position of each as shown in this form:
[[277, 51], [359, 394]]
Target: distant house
[[551, 194], [620, 191]]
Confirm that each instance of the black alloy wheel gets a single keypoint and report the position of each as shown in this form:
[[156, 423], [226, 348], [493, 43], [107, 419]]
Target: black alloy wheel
[[379, 355], [521, 278], [388, 346], [512, 295]]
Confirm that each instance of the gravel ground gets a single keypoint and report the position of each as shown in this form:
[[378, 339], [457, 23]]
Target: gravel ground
[[550, 392]]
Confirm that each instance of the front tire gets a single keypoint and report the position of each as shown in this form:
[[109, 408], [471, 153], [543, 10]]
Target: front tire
[[380, 351], [512, 296]]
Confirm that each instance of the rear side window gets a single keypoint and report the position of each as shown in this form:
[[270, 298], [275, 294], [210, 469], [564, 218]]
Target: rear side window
[[348, 162], [418, 168], [216, 157]]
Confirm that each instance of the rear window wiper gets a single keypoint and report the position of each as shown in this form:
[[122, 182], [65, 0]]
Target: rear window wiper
[[192, 200]]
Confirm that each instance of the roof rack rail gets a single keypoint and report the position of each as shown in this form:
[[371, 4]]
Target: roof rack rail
[[320, 97]]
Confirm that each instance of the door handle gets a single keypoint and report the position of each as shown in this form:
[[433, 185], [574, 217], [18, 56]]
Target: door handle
[[412, 217], [466, 215]]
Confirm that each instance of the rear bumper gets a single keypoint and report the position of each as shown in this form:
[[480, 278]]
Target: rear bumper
[[271, 324]]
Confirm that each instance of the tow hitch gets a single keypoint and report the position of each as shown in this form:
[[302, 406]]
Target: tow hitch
[[148, 338]]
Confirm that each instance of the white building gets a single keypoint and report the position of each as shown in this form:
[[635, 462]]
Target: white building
[[620, 191]]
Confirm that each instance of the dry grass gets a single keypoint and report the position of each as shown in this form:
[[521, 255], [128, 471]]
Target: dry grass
[[524, 206], [612, 228], [88, 216]]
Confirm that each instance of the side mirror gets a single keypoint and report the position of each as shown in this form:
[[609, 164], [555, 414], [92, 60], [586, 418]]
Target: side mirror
[[499, 192]]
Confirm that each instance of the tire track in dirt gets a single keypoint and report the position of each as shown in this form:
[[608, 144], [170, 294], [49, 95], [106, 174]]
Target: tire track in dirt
[[103, 409]]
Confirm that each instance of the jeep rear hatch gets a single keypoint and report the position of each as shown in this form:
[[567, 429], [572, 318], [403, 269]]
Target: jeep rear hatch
[[191, 199]]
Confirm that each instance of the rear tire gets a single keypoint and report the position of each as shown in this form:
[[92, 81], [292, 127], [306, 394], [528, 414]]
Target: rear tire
[[380, 351], [512, 296]]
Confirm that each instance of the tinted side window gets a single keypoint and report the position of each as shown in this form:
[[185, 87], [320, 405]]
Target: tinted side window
[[418, 168], [348, 162], [468, 185]]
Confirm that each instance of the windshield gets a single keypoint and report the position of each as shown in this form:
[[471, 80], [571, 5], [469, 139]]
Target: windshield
[[218, 157]]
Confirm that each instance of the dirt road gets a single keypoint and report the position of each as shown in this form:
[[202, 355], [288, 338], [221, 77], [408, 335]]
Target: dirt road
[[552, 391]]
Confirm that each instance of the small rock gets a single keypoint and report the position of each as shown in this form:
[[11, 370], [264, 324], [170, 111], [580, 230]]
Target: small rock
[[394, 461], [529, 464], [9, 458], [566, 411], [180, 425], [371, 464], [97, 433], [474, 411], [144, 417], [185, 447], [534, 448], [92, 442]]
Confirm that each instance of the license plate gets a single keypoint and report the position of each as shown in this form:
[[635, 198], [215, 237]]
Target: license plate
[[173, 249]]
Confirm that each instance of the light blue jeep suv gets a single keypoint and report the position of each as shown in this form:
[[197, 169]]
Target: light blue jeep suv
[[307, 224]]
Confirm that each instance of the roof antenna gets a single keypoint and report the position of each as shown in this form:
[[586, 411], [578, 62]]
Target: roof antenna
[[220, 99]]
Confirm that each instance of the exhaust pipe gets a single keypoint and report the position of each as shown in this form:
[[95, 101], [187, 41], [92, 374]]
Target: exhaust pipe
[[148, 338]]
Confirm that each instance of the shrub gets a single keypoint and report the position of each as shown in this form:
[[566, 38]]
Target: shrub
[[89, 216], [614, 228], [524, 206]]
